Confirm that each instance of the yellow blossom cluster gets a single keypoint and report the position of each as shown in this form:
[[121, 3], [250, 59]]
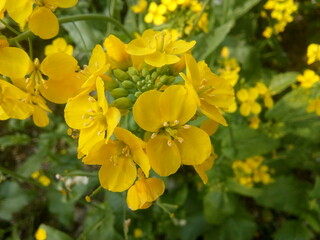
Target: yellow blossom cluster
[[279, 12], [38, 15], [143, 80], [41, 178], [251, 171], [182, 15]]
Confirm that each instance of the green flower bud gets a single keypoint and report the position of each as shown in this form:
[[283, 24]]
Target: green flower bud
[[133, 71], [128, 84], [135, 78], [145, 71], [137, 94], [110, 83], [123, 103], [154, 75], [120, 74], [119, 92]]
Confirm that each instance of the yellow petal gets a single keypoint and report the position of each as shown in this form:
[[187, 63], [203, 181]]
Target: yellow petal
[[159, 59], [202, 168], [243, 95], [193, 74], [116, 50], [245, 109], [43, 23], [118, 175], [40, 117], [209, 126], [58, 65], [164, 155], [195, 147], [19, 10], [146, 111], [176, 103], [137, 47], [3, 115], [17, 109], [14, 62], [76, 110], [62, 3], [179, 47], [113, 118], [101, 153], [213, 113]]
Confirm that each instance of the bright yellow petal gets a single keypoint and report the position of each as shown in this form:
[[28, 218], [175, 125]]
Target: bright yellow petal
[[3, 115], [195, 147], [146, 111], [101, 153], [202, 168], [118, 175], [43, 23], [113, 118], [213, 113], [19, 10], [164, 155], [116, 50], [159, 59], [137, 47], [62, 3], [176, 103], [245, 109], [209, 126], [179, 47], [40, 117], [14, 62], [58, 65]]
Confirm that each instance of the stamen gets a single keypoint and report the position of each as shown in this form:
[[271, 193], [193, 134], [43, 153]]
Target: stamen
[[91, 99], [176, 122], [169, 143], [165, 124], [180, 139], [153, 135], [186, 126]]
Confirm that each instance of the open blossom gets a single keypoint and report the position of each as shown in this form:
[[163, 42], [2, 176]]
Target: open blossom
[[118, 159], [308, 78], [58, 45], [212, 93], [173, 143], [155, 14], [248, 101], [158, 48]]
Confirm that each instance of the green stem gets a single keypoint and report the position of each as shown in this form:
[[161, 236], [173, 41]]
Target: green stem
[[74, 18], [9, 27]]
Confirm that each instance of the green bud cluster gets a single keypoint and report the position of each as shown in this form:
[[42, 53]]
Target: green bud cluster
[[127, 86]]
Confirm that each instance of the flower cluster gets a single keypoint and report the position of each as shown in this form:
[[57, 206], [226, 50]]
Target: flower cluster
[[251, 171], [279, 13], [181, 15], [142, 81]]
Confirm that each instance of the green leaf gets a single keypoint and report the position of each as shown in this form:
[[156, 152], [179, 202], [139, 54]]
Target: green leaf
[[14, 140], [285, 194], [54, 234], [282, 81], [206, 44], [235, 187], [293, 230], [218, 205], [243, 7]]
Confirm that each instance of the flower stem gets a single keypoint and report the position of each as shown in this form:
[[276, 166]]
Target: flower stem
[[74, 18]]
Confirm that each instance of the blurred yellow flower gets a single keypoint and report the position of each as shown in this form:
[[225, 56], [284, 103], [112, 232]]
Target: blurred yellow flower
[[313, 53], [308, 79], [155, 14], [58, 45], [254, 122], [140, 6], [314, 106], [40, 234], [248, 101]]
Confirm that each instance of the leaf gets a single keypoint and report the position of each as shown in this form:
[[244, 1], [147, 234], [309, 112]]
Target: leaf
[[244, 7], [293, 230], [207, 43], [235, 187], [54, 234], [285, 194], [218, 205], [282, 81], [14, 140]]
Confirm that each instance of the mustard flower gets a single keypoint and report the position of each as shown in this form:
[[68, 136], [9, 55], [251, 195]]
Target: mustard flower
[[144, 192], [313, 53], [118, 160], [158, 48], [41, 19], [212, 93], [248, 101], [155, 14], [41, 234], [205, 166], [92, 117], [314, 106], [140, 6], [2, 8], [58, 45], [308, 79], [172, 143]]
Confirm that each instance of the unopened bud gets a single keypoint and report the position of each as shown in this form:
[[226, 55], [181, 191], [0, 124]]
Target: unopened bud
[[119, 92], [123, 103], [128, 84], [133, 71], [120, 74]]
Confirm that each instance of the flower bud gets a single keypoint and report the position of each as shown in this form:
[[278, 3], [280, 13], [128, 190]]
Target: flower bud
[[120, 74], [128, 84], [123, 103], [119, 92]]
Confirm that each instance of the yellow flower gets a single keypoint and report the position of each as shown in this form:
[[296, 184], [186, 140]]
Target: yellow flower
[[254, 122], [225, 52], [140, 6], [248, 101], [212, 93], [313, 53], [58, 45], [44, 180], [92, 117], [2, 8], [158, 48], [144, 192], [308, 78], [13, 102], [172, 143], [40, 234], [137, 233], [155, 14], [205, 166], [117, 159], [267, 33], [41, 19], [203, 22], [314, 106], [265, 92]]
